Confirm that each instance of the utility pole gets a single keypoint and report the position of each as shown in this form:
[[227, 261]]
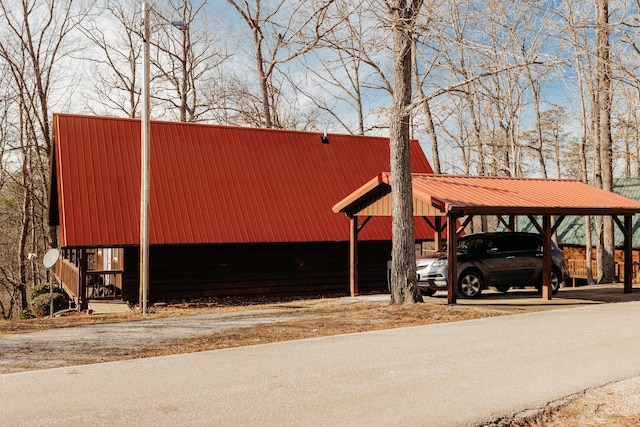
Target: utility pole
[[144, 182]]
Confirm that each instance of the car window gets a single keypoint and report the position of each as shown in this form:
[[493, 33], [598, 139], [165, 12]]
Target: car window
[[528, 243], [469, 245], [501, 244]]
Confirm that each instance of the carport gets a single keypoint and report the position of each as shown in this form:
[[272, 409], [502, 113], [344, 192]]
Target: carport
[[458, 199]]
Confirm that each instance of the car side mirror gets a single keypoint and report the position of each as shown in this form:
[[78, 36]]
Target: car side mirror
[[493, 250]]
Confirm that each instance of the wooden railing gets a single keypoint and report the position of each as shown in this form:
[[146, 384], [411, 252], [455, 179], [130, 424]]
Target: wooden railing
[[578, 269], [69, 276], [104, 284], [635, 272]]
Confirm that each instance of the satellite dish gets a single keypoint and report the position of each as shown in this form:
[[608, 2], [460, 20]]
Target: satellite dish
[[50, 258]]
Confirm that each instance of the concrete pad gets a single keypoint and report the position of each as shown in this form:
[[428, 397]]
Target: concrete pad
[[108, 307]]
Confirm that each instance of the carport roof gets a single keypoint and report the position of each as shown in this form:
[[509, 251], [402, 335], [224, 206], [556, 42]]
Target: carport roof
[[479, 195]]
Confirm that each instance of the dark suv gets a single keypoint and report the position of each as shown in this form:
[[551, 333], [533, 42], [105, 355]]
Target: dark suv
[[500, 260]]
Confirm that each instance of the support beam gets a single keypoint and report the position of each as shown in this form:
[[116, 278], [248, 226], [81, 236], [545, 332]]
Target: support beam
[[353, 256], [82, 263], [546, 258], [437, 236], [366, 220], [504, 223], [452, 258], [627, 231], [557, 224], [628, 254], [535, 223], [464, 224], [437, 228]]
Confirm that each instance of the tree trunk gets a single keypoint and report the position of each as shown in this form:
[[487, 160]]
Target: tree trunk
[[22, 243], [603, 66], [263, 78], [404, 286], [587, 219]]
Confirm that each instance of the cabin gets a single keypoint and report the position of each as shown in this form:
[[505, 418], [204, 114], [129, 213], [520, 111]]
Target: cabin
[[234, 211], [572, 238]]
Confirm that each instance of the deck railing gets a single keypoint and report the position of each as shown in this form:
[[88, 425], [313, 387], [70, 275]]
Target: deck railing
[[69, 276], [104, 284], [100, 284]]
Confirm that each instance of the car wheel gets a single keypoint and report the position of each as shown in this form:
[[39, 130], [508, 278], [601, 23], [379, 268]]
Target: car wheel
[[503, 288], [470, 284], [555, 282], [427, 292]]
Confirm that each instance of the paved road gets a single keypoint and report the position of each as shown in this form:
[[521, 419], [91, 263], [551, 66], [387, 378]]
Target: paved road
[[451, 374]]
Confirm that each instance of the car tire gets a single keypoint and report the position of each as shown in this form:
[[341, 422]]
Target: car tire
[[427, 292], [470, 284], [503, 288], [555, 281]]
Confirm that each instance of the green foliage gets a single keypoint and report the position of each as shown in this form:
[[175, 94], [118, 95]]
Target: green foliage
[[41, 299], [27, 314], [41, 289]]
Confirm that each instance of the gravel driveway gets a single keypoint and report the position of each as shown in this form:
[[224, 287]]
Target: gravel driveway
[[50, 348]]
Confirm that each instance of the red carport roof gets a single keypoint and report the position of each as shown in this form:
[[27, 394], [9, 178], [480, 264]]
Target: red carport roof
[[477, 195], [210, 184]]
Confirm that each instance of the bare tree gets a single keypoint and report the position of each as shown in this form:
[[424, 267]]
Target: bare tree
[[404, 286], [527, 40], [602, 114], [187, 56], [281, 31], [626, 127], [116, 58], [581, 60], [32, 43], [628, 118], [421, 72], [459, 62], [343, 68]]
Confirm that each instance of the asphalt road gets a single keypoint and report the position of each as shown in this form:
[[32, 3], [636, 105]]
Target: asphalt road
[[449, 374]]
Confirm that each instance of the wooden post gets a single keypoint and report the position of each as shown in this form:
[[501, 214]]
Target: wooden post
[[546, 258], [82, 277], [628, 254], [353, 256], [437, 236], [452, 258]]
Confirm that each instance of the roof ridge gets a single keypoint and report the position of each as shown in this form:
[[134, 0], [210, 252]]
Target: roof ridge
[[520, 178], [217, 125]]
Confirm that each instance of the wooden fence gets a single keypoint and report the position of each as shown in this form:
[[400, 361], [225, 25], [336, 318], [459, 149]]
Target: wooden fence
[[578, 270]]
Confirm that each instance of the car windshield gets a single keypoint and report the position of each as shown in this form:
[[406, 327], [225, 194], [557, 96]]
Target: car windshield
[[465, 245]]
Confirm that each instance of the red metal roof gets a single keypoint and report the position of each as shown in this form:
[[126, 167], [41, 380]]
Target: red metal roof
[[211, 184], [520, 195], [465, 195]]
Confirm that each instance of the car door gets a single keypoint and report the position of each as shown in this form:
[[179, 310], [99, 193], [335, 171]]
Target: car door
[[500, 263], [528, 253]]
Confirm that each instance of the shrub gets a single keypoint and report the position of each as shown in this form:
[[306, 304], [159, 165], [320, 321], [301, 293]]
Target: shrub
[[41, 289], [41, 300], [27, 314]]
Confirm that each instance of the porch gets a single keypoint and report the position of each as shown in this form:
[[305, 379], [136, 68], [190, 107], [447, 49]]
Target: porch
[[82, 279]]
